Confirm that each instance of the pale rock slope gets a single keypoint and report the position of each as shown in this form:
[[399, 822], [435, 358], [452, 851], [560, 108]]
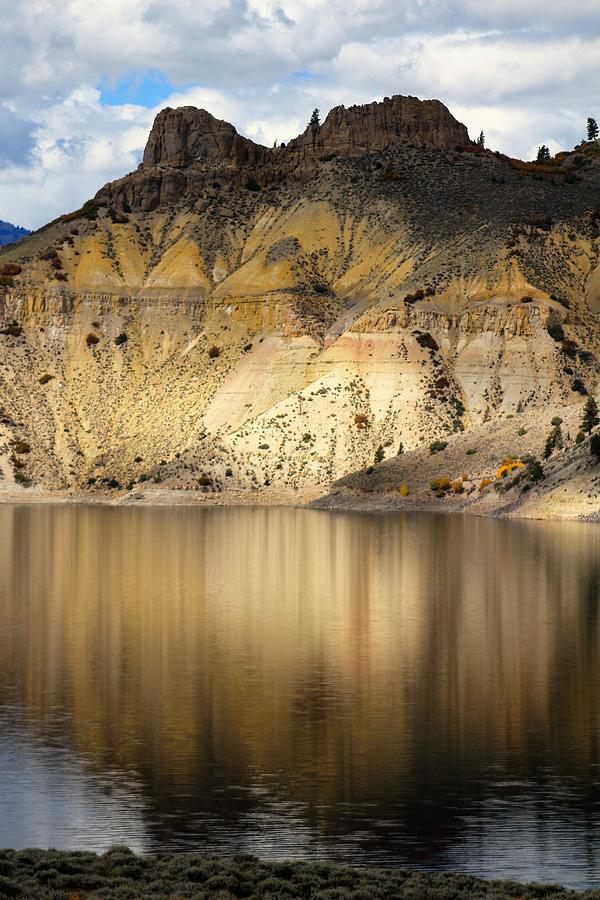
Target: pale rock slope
[[231, 316]]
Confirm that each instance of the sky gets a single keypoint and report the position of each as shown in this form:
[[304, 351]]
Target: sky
[[81, 81]]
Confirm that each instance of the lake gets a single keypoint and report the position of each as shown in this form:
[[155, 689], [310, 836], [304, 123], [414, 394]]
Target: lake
[[403, 689]]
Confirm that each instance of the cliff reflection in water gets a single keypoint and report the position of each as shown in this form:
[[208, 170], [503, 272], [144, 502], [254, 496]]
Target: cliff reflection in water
[[375, 685]]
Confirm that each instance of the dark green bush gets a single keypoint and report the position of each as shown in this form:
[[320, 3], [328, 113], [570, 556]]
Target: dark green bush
[[437, 446]]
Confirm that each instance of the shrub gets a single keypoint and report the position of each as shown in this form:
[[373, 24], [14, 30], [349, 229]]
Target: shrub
[[361, 421], [437, 446], [580, 438], [471, 451], [46, 378], [92, 339], [428, 341], [579, 387], [20, 446], [204, 481], [569, 348], [228, 472], [10, 269], [14, 329], [214, 352], [440, 484], [21, 478], [508, 465], [419, 294], [522, 431], [457, 486], [403, 491], [485, 482], [56, 263], [264, 446], [121, 339], [595, 446], [555, 330]]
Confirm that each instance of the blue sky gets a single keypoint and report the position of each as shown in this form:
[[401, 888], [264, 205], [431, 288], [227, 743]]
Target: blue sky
[[81, 83], [148, 89]]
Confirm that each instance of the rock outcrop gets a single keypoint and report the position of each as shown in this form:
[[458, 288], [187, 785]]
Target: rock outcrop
[[188, 147], [187, 136], [231, 316], [357, 130]]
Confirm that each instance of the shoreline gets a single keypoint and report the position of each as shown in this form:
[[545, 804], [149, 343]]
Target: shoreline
[[311, 498], [121, 873]]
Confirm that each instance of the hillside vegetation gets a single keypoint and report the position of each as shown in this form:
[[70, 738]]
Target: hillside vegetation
[[231, 317]]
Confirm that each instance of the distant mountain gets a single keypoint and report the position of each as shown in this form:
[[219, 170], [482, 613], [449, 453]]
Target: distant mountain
[[10, 233]]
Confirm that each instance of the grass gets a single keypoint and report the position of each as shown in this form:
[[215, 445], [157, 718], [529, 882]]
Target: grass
[[120, 874]]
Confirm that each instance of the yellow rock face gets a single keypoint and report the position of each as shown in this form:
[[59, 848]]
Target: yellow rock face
[[280, 343]]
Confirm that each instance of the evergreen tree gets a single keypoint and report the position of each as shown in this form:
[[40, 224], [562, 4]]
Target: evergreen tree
[[592, 129], [400, 449], [481, 140], [315, 121], [533, 470], [554, 441], [595, 446], [543, 153], [379, 454], [590, 419]]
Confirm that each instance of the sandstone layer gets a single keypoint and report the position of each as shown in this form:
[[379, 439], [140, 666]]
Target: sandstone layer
[[230, 316]]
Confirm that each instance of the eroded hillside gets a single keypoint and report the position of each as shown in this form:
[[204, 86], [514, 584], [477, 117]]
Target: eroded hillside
[[230, 316]]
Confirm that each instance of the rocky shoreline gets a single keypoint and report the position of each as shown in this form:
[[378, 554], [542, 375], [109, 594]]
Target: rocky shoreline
[[119, 873], [312, 497]]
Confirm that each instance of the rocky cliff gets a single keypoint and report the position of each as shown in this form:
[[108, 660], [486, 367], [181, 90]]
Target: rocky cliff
[[230, 316], [188, 148], [358, 130]]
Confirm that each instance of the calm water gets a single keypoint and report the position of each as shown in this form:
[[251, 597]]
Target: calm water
[[407, 690]]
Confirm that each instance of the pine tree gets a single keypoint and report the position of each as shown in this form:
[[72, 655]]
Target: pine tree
[[590, 419], [400, 449], [533, 470], [554, 441], [379, 454], [592, 129], [543, 153], [481, 140], [315, 121]]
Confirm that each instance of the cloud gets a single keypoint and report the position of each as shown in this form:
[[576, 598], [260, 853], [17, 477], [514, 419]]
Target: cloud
[[16, 133], [81, 82]]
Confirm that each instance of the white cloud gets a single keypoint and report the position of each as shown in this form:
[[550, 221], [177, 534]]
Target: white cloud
[[525, 72]]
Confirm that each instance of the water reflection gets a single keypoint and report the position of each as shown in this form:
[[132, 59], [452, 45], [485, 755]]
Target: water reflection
[[409, 689]]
